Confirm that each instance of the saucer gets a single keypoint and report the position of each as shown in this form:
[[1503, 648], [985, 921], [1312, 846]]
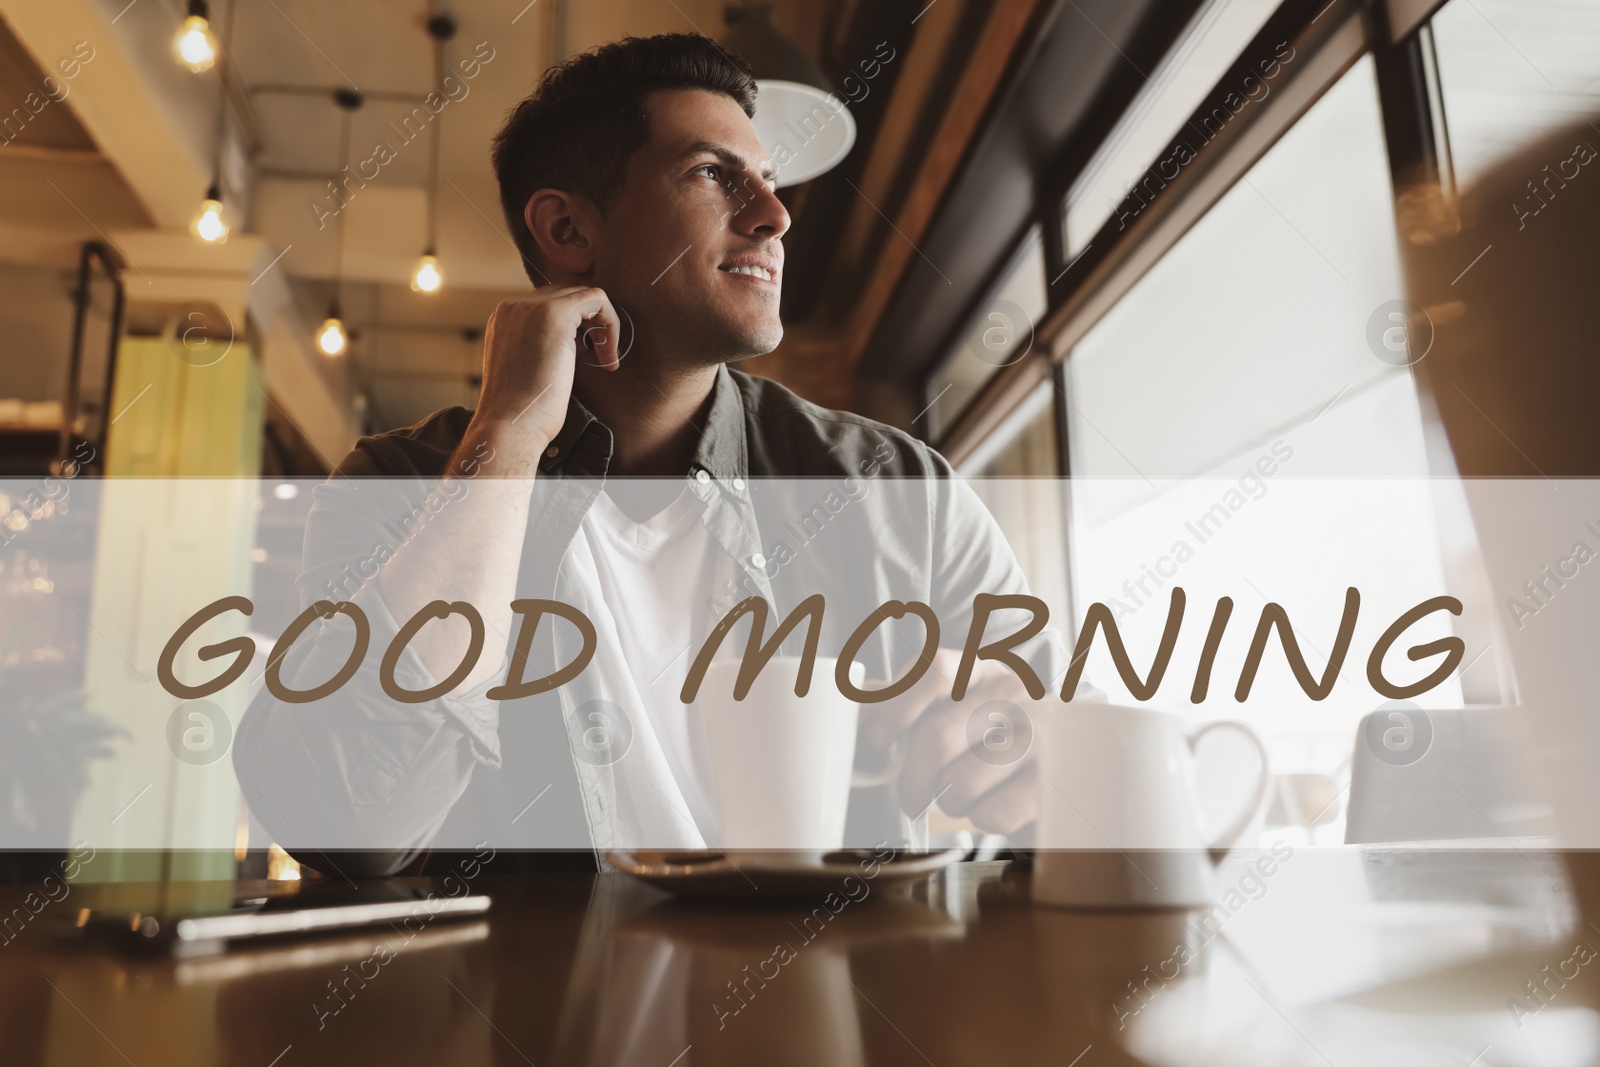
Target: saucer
[[712, 874]]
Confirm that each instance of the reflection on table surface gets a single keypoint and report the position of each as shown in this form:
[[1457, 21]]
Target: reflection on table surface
[[1369, 956]]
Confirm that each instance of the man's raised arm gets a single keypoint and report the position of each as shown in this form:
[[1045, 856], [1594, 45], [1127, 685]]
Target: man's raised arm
[[325, 775]]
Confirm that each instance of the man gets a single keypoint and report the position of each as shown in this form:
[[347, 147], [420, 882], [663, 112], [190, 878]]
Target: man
[[643, 205]]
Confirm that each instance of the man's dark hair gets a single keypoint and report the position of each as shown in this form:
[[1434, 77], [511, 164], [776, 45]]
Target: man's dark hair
[[587, 118]]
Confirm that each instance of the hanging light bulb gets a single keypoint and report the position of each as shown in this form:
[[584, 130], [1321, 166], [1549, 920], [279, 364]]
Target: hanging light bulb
[[331, 336], [195, 45], [209, 225], [427, 278]]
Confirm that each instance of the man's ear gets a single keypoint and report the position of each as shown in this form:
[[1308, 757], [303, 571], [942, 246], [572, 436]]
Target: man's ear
[[563, 227]]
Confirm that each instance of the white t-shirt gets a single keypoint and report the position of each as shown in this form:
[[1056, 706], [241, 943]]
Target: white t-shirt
[[652, 584]]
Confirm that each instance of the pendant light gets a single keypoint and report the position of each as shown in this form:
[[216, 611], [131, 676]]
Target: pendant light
[[427, 278], [794, 95], [210, 224], [332, 337], [196, 46]]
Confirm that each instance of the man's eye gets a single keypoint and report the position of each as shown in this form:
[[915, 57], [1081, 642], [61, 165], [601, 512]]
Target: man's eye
[[714, 172]]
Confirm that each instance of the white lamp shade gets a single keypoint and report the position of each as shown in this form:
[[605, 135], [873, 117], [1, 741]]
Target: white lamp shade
[[804, 126], [805, 130]]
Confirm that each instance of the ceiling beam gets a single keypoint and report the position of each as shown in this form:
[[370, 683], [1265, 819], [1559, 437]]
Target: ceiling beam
[[144, 117], [1003, 34], [39, 153]]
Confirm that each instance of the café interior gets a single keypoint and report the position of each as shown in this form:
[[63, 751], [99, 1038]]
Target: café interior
[[1139, 258]]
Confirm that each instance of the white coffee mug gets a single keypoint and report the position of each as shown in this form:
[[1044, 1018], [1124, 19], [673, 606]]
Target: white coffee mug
[[783, 765], [1119, 817]]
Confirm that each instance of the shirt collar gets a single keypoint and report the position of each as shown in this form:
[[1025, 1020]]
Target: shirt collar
[[721, 448], [584, 445]]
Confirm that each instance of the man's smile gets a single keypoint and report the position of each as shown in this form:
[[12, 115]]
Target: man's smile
[[763, 270]]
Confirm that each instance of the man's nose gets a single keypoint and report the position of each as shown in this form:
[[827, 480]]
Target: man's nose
[[761, 214]]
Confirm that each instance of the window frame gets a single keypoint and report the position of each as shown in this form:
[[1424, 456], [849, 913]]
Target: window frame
[[1328, 38], [998, 276]]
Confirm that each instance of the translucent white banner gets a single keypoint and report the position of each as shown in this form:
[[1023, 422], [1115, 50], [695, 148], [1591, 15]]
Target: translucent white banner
[[386, 666]]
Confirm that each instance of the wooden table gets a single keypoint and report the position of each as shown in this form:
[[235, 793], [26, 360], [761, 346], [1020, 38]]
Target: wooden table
[[1337, 957]]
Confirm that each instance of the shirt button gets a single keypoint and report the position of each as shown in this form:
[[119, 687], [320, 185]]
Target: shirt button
[[552, 452], [759, 560], [738, 485], [702, 476]]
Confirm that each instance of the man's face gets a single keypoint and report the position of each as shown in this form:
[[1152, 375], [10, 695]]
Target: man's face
[[692, 249]]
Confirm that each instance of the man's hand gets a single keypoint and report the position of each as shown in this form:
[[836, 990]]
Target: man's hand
[[982, 768], [530, 349], [472, 549]]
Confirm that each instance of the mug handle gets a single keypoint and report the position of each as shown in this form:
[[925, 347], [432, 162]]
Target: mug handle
[[1229, 837]]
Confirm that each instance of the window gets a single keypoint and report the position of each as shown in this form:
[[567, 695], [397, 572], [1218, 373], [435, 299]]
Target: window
[[1236, 430], [1000, 334], [1016, 473], [1025, 445], [1257, 318], [1213, 40]]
